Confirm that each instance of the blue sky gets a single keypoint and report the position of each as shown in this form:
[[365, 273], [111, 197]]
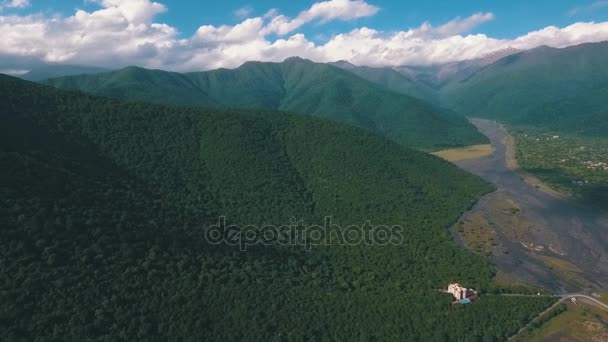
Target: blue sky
[[194, 35]]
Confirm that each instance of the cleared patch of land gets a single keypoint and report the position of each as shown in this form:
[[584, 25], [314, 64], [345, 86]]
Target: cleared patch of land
[[582, 322], [467, 152], [477, 234], [504, 213], [515, 286], [478, 228]]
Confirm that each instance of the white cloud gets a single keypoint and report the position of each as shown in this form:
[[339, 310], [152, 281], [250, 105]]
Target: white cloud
[[14, 4], [339, 9], [323, 11], [14, 72], [136, 11], [273, 12], [588, 8], [243, 12], [124, 32], [246, 31], [369, 47], [121, 32], [561, 37], [458, 25]]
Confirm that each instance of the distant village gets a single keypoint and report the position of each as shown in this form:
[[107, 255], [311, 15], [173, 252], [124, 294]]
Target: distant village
[[588, 164], [596, 166], [586, 159]]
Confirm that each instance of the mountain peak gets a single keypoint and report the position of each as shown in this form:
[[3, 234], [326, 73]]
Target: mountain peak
[[296, 59], [497, 55]]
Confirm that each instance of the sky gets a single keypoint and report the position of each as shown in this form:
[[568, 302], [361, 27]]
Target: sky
[[200, 35]]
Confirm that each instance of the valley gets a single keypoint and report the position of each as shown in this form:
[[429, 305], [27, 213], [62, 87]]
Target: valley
[[531, 232], [342, 170]]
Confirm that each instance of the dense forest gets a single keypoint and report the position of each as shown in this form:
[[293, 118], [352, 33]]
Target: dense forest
[[295, 85], [105, 207], [557, 89]]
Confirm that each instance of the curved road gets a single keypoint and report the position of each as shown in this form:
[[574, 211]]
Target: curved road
[[564, 297]]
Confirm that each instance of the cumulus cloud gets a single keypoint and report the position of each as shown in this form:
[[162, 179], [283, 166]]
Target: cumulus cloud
[[561, 37], [370, 47], [135, 11], [120, 32], [323, 11], [458, 25], [124, 32]]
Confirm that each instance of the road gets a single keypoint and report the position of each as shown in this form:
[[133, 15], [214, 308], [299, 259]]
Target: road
[[563, 298]]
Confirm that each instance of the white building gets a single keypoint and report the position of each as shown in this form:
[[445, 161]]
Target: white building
[[459, 292]]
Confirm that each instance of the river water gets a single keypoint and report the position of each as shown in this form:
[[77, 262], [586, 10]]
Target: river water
[[574, 238]]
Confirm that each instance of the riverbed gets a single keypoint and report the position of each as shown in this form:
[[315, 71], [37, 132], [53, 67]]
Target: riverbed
[[547, 240]]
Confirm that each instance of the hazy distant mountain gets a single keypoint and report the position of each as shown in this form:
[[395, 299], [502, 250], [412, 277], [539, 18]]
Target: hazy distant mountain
[[391, 79], [43, 72], [294, 85], [437, 76], [554, 88]]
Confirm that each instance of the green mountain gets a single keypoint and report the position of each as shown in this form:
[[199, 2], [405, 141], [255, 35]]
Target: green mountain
[[437, 76], [107, 228], [560, 89], [46, 71], [295, 85], [393, 80]]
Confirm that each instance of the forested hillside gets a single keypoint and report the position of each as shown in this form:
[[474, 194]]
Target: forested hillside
[[295, 85], [558, 89], [106, 205], [393, 80]]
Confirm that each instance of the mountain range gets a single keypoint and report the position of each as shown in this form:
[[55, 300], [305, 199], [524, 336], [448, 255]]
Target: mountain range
[[560, 89], [295, 85], [437, 76]]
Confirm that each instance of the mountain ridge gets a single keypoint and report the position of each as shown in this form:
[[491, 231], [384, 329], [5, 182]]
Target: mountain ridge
[[295, 85], [554, 88]]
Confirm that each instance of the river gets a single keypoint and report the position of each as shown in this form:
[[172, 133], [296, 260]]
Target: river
[[550, 241]]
